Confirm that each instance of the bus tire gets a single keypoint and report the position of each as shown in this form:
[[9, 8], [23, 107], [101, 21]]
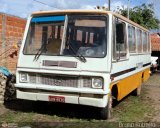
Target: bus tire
[[105, 113]]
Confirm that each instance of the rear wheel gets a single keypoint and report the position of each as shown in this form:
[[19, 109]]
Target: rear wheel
[[105, 113], [137, 91]]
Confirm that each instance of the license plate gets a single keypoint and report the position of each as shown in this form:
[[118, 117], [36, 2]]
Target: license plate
[[57, 99]]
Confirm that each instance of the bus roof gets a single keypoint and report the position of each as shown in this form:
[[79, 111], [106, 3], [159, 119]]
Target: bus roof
[[102, 12]]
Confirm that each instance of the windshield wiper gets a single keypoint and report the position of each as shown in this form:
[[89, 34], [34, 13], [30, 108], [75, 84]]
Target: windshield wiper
[[40, 52], [79, 56]]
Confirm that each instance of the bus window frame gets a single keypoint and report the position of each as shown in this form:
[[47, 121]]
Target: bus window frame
[[63, 41], [116, 58], [144, 38], [149, 42], [141, 48], [106, 36], [133, 29]]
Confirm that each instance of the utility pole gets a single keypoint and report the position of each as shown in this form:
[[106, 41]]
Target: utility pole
[[128, 9], [109, 5]]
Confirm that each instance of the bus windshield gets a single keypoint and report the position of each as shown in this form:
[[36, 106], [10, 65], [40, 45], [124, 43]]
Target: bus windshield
[[71, 35]]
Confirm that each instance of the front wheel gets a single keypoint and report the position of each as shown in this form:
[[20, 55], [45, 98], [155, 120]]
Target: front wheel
[[105, 113]]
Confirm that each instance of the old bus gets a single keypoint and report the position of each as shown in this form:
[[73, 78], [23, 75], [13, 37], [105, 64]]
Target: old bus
[[86, 57]]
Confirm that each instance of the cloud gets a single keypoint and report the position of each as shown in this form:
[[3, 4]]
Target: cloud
[[156, 7], [116, 5], [3, 7], [26, 7], [88, 7], [23, 8], [72, 4]]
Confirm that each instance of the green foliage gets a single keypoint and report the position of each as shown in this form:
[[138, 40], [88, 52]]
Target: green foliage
[[143, 15]]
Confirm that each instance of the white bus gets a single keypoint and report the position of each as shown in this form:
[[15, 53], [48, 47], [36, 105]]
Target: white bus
[[82, 57]]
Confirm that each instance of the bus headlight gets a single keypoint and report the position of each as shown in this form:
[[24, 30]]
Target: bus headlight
[[97, 82], [23, 77]]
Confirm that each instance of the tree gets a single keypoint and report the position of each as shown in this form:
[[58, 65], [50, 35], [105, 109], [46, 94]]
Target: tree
[[143, 15]]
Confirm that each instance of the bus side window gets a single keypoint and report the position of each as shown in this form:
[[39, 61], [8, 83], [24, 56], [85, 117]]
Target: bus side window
[[149, 45], [131, 39], [139, 40], [144, 41], [120, 41]]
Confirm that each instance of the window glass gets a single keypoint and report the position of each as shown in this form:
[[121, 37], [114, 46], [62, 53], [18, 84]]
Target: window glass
[[149, 45], [144, 40], [45, 35], [139, 40], [120, 48], [84, 35], [131, 39]]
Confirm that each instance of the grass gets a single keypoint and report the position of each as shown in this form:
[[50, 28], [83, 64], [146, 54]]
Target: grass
[[131, 109], [13, 116]]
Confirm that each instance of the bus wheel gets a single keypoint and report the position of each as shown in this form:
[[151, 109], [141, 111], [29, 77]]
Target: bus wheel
[[137, 91], [105, 113]]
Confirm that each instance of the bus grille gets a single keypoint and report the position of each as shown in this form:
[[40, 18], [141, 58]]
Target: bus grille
[[64, 81]]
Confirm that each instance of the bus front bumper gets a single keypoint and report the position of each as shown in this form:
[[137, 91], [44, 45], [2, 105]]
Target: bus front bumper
[[72, 99]]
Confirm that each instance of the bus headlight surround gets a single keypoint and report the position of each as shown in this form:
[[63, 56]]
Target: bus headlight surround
[[97, 83], [23, 77]]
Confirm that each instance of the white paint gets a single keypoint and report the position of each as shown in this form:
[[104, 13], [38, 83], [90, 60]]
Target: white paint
[[101, 67], [73, 99]]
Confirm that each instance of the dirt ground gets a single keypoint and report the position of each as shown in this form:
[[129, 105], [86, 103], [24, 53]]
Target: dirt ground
[[152, 96], [144, 108]]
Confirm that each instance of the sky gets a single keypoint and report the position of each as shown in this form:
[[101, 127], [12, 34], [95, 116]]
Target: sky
[[23, 8]]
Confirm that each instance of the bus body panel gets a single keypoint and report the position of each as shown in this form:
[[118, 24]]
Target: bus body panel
[[73, 99], [130, 73], [130, 83], [127, 74]]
